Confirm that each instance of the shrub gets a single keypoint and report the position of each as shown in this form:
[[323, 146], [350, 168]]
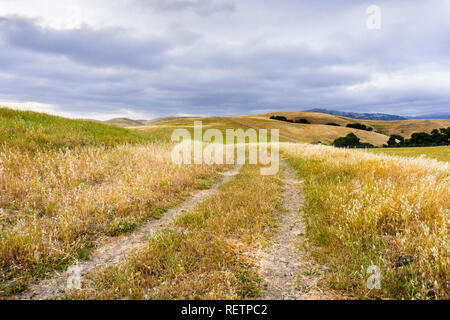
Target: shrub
[[351, 141], [302, 121], [280, 118], [421, 139], [359, 126], [283, 118], [393, 140]]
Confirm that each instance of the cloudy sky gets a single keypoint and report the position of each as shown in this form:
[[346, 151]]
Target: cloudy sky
[[148, 58]]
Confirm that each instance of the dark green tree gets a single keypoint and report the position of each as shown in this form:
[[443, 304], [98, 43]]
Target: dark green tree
[[393, 140]]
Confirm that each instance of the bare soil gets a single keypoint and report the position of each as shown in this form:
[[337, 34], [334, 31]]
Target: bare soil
[[288, 274]]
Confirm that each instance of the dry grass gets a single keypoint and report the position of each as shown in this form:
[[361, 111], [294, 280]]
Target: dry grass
[[407, 127], [364, 209], [124, 122], [312, 132], [55, 204], [439, 153], [67, 184], [204, 256], [401, 127]]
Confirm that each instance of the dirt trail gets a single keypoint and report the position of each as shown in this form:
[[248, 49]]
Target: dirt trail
[[287, 273], [116, 248]]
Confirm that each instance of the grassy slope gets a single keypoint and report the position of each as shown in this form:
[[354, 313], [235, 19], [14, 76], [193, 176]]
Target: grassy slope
[[124, 122], [395, 201], [165, 128], [407, 127], [363, 209], [402, 127], [32, 131], [72, 181], [313, 132], [438, 153]]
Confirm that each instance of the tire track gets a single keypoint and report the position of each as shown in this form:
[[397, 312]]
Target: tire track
[[287, 273]]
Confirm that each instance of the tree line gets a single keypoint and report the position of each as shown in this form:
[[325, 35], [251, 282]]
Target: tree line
[[421, 139], [437, 137], [283, 118]]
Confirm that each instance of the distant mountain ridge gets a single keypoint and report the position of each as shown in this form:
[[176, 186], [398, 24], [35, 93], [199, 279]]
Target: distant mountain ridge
[[379, 116], [432, 116], [356, 115]]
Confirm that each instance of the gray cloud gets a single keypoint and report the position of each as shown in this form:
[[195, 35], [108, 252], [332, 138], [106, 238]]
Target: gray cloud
[[200, 7], [108, 47], [262, 56]]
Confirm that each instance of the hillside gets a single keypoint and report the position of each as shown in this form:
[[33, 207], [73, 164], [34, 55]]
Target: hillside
[[357, 115], [312, 132], [162, 119], [401, 127], [406, 127], [124, 122], [111, 212], [32, 131], [432, 116], [441, 153]]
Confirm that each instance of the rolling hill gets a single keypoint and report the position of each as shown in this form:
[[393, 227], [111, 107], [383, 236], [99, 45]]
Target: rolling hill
[[357, 115], [33, 131], [124, 122], [401, 127], [112, 210], [407, 127], [311, 133], [317, 131]]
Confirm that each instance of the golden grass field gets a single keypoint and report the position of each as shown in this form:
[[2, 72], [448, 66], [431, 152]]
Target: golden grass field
[[55, 204], [364, 209], [205, 257], [66, 185], [401, 127], [439, 153], [312, 133], [61, 193]]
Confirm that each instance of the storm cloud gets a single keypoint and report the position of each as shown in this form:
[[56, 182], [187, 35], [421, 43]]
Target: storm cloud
[[144, 59]]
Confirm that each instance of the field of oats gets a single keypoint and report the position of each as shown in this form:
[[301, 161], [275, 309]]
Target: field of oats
[[205, 254], [439, 153], [67, 186], [66, 183], [364, 209]]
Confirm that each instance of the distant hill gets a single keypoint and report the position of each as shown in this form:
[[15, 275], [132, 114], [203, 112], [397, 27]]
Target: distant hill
[[432, 116], [387, 127], [317, 131], [356, 115], [33, 131], [124, 122], [163, 119]]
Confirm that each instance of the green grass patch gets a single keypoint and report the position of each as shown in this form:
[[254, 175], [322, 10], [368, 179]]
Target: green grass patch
[[31, 131]]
